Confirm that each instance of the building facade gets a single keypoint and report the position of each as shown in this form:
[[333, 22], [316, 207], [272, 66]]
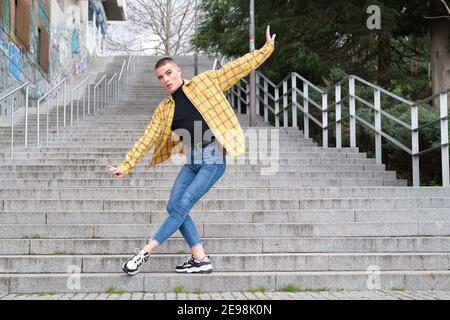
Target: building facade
[[45, 41]]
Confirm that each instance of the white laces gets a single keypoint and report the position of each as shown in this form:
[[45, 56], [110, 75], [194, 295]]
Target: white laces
[[187, 259], [138, 258]]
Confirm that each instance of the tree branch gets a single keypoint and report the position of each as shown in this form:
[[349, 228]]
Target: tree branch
[[441, 17], [446, 6]]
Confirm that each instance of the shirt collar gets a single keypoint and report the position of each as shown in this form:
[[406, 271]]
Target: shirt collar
[[184, 83]]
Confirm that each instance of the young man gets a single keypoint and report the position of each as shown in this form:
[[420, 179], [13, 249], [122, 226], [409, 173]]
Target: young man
[[196, 108]]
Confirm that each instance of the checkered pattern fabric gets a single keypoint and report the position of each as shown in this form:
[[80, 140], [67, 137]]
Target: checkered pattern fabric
[[205, 91]]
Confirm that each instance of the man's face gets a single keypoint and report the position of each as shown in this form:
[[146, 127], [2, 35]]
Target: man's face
[[170, 76]]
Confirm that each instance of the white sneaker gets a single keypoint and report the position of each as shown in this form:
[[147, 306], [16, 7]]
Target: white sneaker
[[135, 264]]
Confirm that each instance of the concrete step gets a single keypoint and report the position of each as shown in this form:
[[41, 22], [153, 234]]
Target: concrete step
[[174, 165], [238, 173], [230, 204], [239, 245], [249, 230], [250, 164], [290, 262], [286, 153], [28, 182], [220, 192], [225, 281], [279, 180], [225, 216]]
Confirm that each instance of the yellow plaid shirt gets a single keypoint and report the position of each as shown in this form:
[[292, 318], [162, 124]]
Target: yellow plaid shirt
[[205, 91]]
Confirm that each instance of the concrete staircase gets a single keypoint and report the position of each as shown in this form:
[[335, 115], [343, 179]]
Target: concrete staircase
[[329, 219]]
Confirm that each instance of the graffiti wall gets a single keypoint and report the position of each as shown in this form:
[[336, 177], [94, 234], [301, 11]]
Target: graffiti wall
[[67, 56], [21, 65], [67, 53]]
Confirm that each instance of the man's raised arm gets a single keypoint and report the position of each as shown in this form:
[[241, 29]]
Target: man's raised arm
[[232, 72]]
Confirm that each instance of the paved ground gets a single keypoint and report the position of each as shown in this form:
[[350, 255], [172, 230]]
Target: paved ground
[[322, 295]]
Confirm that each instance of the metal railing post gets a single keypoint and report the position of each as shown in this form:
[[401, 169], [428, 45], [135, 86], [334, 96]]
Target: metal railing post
[[48, 107], [352, 111], [95, 98], [12, 126], [266, 102], [71, 108], [37, 123], [377, 104], [78, 107], [444, 140], [285, 105], [277, 107], [247, 100], [105, 102], [338, 95], [239, 97], [108, 94], [26, 115], [64, 101], [257, 89], [325, 120], [89, 97], [415, 145], [306, 108], [294, 100], [57, 110]]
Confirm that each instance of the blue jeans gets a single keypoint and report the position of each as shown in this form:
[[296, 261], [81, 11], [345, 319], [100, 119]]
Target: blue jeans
[[201, 170]]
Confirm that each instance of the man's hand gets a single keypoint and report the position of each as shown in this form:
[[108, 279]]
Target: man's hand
[[270, 39], [117, 171]]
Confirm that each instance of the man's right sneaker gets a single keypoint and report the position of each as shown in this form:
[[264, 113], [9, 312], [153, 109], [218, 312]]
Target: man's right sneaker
[[134, 265], [190, 265]]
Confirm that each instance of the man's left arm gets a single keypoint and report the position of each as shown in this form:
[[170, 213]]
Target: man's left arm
[[232, 72]]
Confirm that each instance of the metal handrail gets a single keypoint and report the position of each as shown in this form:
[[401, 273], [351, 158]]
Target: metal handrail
[[121, 70], [266, 99], [86, 80], [96, 109], [14, 91], [10, 95], [38, 114], [111, 92], [51, 90], [51, 98]]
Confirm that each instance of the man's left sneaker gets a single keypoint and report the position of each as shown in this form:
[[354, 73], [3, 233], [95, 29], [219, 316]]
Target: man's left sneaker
[[190, 265]]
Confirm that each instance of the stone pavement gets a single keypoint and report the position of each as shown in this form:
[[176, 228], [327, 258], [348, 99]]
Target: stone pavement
[[308, 295]]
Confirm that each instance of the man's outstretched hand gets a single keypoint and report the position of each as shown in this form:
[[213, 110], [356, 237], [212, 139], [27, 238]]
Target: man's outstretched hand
[[118, 172], [270, 39]]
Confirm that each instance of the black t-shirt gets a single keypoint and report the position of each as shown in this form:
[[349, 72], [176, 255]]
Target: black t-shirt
[[186, 118]]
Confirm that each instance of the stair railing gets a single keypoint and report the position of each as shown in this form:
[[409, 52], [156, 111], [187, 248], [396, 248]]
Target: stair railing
[[98, 103], [80, 92], [111, 89], [293, 87], [12, 100], [52, 98], [110, 93]]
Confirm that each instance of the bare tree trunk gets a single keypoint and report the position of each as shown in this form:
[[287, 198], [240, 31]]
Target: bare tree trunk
[[440, 55], [384, 58], [167, 24]]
